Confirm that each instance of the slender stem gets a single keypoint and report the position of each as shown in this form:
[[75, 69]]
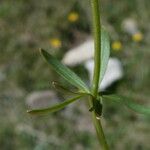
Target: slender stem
[[98, 128], [97, 44], [97, 59], [100, 133]]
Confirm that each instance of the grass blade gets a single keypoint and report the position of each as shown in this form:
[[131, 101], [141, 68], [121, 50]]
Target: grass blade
[[129, 103], [64, 71], [54, 108]]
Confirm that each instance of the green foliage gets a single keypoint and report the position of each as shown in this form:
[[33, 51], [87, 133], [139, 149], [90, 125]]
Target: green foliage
[[71, 77], [54, 108], [105, 52], [129, 103], [65, 72], [26, 25], [99, 61]]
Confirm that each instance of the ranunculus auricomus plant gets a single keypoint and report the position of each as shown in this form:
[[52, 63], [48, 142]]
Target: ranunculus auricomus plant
[[101, 57]]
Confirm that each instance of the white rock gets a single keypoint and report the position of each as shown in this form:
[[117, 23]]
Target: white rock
[[79, 54], [84, 54], [113, 72], [41, 99]]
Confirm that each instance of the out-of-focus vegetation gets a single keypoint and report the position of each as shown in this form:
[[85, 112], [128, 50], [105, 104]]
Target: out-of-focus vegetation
[[26, 25]]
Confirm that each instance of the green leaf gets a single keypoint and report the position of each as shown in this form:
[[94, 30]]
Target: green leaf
[[54, 108], [105, 52], [62, 88], [129, 103], [64, 71]]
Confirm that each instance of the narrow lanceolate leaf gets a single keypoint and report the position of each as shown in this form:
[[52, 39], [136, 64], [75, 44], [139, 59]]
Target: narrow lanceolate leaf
[[105, 52], [129, 103], [54, 108], [62, 88], [64, 71]]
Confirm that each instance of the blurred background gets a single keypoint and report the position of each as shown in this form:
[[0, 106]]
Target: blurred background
[[25, 78]]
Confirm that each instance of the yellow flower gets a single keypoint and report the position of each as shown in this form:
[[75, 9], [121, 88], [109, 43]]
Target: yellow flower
[[55, 42], [116, 45], [137, 37], [73, 16]]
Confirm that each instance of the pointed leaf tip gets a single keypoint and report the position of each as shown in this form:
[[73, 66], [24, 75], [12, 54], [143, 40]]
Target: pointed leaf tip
[[54, 108]]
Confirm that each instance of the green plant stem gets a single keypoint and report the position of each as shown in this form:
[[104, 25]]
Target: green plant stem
[[97, 45], [100, 133], [97, 59], [98, 128]]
